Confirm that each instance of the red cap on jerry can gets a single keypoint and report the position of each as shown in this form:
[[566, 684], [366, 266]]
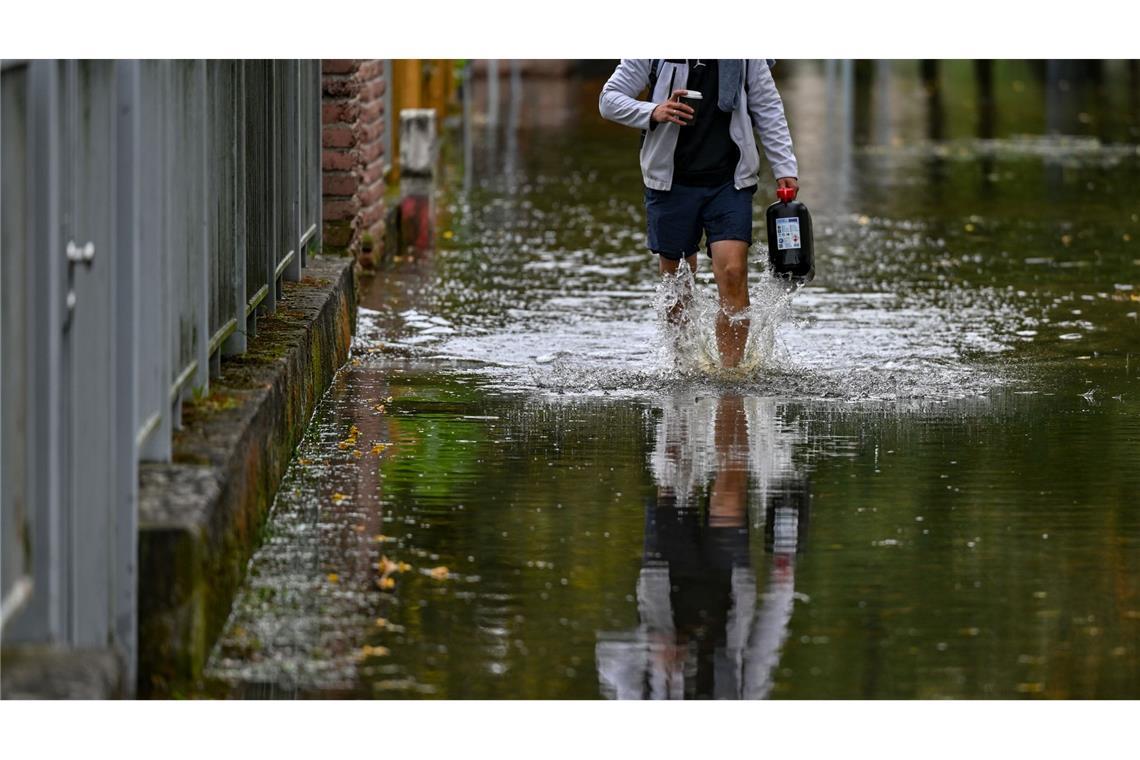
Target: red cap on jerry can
[[785, 194]]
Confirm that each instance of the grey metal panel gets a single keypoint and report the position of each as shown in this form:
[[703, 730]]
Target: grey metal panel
[[221, 195], [124, 529], [15, 563], [257, 153], [237, 343], [90, 346], [192, 185], [42, 618], [187, 224], [153, 328]]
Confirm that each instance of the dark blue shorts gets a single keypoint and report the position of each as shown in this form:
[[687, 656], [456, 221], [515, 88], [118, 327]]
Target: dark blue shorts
[[677, 217]]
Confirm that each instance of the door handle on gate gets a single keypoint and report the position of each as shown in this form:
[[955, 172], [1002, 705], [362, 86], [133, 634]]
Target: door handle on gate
[[84, 254], [76, 254]]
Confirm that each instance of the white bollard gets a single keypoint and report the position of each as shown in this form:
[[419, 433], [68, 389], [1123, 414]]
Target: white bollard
[[417, 142]]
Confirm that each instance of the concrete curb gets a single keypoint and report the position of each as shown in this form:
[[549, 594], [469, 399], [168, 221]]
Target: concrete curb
[[201, 516]]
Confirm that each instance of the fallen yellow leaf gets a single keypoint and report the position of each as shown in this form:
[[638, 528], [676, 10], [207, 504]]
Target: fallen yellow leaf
[[386, 583], [357, 453], [333, 578], [371, 651], [439, 573], [338, 497], [381, 622]]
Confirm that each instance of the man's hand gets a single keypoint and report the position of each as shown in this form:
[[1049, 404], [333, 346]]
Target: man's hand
[[673, 110], [788, 182]]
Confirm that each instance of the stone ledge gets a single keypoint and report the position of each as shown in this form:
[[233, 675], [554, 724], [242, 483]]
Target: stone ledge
[[201, 516], [44, 672]]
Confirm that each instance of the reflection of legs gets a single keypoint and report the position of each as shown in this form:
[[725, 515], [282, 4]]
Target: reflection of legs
[[669, 267], [728, 496], [730, 267]]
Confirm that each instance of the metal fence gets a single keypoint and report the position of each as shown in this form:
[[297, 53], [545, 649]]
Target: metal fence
[[151, 210]]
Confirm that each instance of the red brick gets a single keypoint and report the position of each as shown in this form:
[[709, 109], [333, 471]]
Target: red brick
[[339, 111], [370, 215], [369, 152], [368, 132], [373, 90], [370, 194], [336, 209], [372, 172], [340, 87], [339, 65], [341, 184], [338, 136], [367, 111], [370, 69], [338, 160]]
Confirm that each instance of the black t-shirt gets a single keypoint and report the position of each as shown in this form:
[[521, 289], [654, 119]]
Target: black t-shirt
[[705, 155]]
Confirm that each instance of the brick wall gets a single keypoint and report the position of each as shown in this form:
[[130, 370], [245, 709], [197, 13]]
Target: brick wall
[[352, 159]]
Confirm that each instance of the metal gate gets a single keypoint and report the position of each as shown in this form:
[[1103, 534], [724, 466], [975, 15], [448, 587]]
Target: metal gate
[[150, 212]]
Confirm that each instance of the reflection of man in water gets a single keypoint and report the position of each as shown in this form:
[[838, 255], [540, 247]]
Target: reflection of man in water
[[701, 634], [700, 166]]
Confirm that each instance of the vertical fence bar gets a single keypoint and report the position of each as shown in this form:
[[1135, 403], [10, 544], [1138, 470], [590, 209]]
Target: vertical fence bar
[[124, 549], [290, 162], [152, 329], [200, 249], [275, 79], [15, 338], [237, 342], [43, 618]]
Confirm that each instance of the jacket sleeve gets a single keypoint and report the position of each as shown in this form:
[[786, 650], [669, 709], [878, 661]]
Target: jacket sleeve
[[767, 112], [619, 102]]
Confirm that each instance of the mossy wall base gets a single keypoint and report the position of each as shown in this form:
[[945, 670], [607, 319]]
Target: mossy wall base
[[200, 516]]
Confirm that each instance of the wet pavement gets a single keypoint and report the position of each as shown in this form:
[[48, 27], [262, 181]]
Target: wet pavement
[[923, 484]]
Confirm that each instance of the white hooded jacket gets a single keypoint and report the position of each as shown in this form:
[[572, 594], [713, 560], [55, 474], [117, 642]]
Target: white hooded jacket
[[759, 107]]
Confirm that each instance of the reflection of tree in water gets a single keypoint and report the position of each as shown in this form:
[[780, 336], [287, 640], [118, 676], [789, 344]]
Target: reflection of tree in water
[[702, 632]]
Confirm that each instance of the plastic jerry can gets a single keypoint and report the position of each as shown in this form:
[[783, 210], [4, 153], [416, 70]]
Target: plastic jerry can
[[790, 246]]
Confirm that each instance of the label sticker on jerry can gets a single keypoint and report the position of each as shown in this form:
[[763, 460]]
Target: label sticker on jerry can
[[787, 233]]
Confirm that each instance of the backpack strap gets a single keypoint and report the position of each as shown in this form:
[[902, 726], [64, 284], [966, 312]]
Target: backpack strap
[[653, 67], [653, 76]]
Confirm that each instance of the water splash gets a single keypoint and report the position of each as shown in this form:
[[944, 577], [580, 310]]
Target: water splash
[[687, 313]]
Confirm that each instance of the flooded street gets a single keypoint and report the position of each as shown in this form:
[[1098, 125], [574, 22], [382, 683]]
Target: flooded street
[[924, 485]]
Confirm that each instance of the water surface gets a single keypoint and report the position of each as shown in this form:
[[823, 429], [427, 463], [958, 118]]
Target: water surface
[[925, 485]]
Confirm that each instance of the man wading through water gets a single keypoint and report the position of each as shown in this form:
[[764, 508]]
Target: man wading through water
[[700, 166]]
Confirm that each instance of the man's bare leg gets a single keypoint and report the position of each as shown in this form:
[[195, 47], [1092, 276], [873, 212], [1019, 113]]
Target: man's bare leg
[[730, 268], [676, 311]]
